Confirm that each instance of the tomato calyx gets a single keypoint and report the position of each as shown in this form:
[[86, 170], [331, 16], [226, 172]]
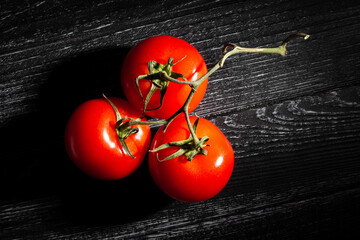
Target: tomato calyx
[[188, 147], [123, 131], [123, 128], [158, 75]]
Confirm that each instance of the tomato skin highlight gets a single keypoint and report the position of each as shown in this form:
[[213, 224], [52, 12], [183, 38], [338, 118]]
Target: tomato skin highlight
[[196, 180], [93, 145], [160, 49]]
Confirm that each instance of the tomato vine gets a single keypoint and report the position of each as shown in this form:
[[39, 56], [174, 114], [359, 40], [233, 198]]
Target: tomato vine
[[109, 138], [160, 75]]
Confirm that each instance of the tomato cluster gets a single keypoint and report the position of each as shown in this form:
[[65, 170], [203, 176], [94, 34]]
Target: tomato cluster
[[109, 138]]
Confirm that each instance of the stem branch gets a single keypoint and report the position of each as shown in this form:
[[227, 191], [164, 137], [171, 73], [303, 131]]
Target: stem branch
[[235, 50], [169, 76], [136, 122]]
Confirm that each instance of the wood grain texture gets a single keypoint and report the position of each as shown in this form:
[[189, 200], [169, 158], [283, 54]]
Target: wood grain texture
[[294, 121], [289, 172]]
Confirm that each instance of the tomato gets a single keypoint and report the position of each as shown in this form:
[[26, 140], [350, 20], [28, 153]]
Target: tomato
[[199, 179], [160, 49], [92, 142]]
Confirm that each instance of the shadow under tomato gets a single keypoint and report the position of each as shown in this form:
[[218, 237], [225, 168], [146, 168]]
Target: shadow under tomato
[[35, 163], [87, 200], [33, 154], [96, 202]]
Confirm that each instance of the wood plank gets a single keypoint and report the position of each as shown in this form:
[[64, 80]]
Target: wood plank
[[232, 217], [294, 121], [246, 81], [297, 158]]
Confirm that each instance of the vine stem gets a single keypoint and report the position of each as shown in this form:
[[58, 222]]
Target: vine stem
[[136, 122], [124, 125], [281, 50]]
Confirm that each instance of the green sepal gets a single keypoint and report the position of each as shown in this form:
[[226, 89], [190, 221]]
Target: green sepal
[[123, 131], [123, 128], [178, 75], [156, 71], [187, 147], [148, 96], [125, 147]]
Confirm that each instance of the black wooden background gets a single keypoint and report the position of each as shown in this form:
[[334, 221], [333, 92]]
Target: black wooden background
[[293, 121]]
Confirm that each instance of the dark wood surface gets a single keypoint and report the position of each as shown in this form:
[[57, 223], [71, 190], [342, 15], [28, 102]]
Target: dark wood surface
[[293, 121]]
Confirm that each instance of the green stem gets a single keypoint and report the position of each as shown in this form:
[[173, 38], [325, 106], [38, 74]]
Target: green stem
[[278, 50], [136, 122], [235, 50], [158, 71], [186, 111], [281, 50], [121, 131], [166, 76]]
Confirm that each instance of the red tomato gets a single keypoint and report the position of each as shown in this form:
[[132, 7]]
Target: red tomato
[[92, 142], [196, 180], [160, 49]]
